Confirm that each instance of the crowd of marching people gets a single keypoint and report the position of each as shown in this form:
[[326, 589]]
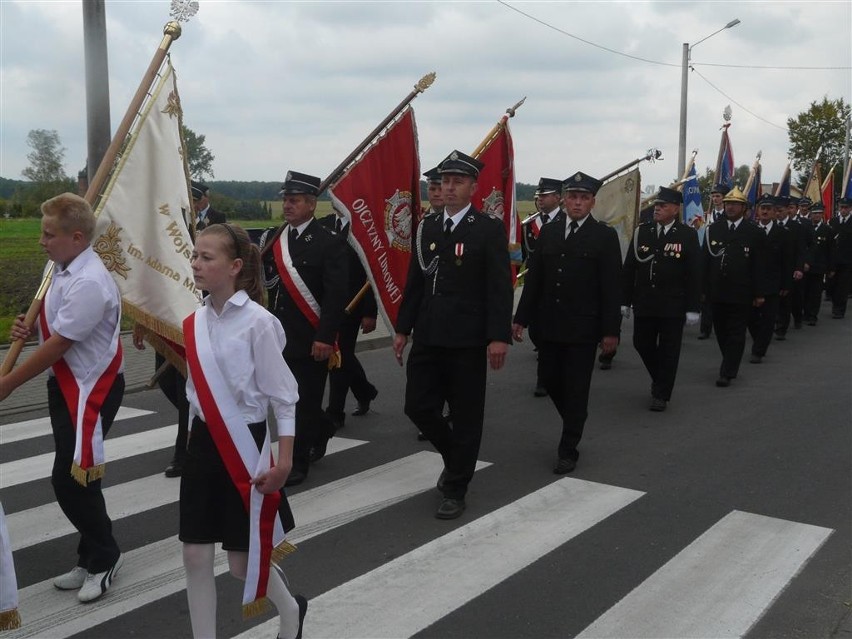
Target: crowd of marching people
[[280, 321]]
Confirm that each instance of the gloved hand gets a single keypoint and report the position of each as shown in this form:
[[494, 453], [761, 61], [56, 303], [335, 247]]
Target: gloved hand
[[625, 312], [692, 319]]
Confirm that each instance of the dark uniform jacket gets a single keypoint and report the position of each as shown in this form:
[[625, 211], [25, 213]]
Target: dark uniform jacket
[[781, 253], [357, 275], [211, 217], [464, 297], [573, 286], [662, 276], [319, 256], [804, 237], [531, 232], [842, 254], [734, 263], [819, 255]]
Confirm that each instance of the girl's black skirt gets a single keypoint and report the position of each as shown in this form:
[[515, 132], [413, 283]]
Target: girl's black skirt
[[211, 509]]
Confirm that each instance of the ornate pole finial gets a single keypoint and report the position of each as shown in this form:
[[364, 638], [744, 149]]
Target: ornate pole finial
[[183, 10], [511, 110], [425, 82], [726, 114]]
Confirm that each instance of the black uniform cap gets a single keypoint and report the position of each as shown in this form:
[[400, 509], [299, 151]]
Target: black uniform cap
[[845, 201], [433, 175], [582, 182], [300, 184], [199, 189], [668, 196], [458, 163], [548, 185], [817, 208], [719, 188], [767, 199]]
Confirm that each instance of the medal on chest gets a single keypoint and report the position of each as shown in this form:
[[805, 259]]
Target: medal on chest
[[459, 251]]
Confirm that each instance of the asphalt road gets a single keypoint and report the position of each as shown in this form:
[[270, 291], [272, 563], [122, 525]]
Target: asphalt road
[[732, 507]]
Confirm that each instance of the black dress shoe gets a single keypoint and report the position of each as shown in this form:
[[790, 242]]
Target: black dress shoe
[[723, 382], [303, 609], [606, 364], [318, 450], [780, 337], [364, 407], [421, 437], [564, 466], [450, 508], [658, 405], [755, 359], [295, 478], [540, 391], [174, 469], [704, 336]]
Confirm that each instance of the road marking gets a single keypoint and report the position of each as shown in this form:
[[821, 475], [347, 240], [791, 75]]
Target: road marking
[[448, 572], [38, 525], [719, 585], [156, 570], [40, 427]]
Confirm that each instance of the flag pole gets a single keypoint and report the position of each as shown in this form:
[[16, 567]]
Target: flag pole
[[784, 176], [495, 131], [171, 32], [424, 83]]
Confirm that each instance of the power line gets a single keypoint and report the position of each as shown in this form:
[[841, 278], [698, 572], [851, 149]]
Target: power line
[[658, 62], [783, 128]]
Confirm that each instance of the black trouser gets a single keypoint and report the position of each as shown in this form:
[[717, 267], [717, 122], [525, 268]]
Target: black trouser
[[782, 319], [842, 285], [761, 321], [312, 423], [813, 295], [83, 505], [567, 378], [436, 375], [797, 301], [350, 374], [173, 385], [657, 340], [533, 332], [730, 322], [706, 317]]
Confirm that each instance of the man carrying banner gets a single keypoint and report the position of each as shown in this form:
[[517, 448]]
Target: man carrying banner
[[205, 215], [548, 196], [306, 275], [458, 303], [573, 289], [662, 282], [733, 280], [79, 341], [350, 374]]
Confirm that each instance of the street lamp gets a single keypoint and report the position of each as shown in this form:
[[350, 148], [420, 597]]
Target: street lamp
[[687, 51]]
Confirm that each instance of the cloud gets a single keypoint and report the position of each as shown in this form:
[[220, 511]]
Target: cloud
[[296, 85]]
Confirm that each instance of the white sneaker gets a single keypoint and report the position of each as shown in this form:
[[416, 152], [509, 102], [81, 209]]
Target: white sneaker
[[98, 583], [72, 580]]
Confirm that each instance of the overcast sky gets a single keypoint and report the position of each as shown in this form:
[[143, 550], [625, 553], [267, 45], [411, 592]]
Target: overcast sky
[[296, 85]]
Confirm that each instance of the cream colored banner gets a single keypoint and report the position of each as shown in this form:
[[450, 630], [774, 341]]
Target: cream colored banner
[[141, 234], [617, 204]]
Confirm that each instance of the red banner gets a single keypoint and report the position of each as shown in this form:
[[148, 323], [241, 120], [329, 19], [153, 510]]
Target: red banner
[[378, 194], [495, 191], [828, 195]]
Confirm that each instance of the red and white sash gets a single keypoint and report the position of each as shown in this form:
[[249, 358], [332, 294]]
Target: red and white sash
[[299, 291], [535, 227], [243, 461], [85, 395]]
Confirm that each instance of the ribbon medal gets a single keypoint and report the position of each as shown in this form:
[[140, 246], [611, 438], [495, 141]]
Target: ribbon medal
[[459, 250]]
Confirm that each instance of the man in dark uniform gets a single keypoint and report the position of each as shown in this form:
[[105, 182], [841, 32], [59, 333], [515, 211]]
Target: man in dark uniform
[[841, 261], [792, 304], [573, 289], [733, 279], [458, 303], [205, 215], [816, 265], [779, 255], [548, 195], [350, 374], [307, 272], [662, 282], [715, 213], [433, 191]]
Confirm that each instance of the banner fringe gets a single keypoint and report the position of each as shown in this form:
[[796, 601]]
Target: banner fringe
[[282, 550], [256, 607], [10, 619], [79, 475]]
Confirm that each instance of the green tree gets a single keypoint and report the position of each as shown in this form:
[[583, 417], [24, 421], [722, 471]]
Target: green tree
[[199, 157], [823, 124], [46, 157]]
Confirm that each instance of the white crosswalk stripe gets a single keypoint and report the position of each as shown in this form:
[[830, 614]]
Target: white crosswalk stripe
[[744, 560]]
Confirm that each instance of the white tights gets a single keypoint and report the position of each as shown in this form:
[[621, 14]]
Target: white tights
[[201, 591]]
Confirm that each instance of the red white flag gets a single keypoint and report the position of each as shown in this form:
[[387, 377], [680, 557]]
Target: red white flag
[[495, 193], [379, 194], [828, 195]]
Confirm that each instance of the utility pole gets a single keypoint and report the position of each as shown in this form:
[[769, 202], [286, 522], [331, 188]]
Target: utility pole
[[98, 132]]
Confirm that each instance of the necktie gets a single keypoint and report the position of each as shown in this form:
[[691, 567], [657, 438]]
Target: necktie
[[733, 227], [661, 231], [448, 227], [338, 225], [545, 218], [572, 228], [294, 234], [766, 228]]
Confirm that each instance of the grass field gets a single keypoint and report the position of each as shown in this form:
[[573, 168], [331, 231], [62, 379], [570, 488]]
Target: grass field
[[22, 260]]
